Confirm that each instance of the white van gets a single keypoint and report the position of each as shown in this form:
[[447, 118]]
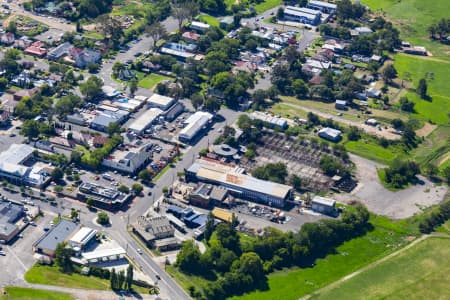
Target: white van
[[107, 177]]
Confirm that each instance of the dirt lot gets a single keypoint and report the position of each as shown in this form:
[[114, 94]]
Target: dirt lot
[[398, 205]]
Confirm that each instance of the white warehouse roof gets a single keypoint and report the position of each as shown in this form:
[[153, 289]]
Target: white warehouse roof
[[281, 122], [145, 120], [194, 124], [83, 236], [160, 101]]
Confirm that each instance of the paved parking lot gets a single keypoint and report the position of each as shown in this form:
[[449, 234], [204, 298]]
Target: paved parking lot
[[19, 255], [54, 33]]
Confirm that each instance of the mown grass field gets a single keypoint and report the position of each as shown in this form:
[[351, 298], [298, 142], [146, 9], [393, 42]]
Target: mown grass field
[[413, 17], [50, 275], [387, 236], [421, 272], [371, 151], [150, 81], [436, 110], [19, 293]]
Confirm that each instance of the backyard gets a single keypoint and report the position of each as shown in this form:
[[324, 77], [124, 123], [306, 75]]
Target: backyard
[[420, 272], [51, 275], [150, 81]]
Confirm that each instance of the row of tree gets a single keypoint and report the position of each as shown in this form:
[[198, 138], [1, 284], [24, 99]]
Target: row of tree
[[436, 218], [122, 280]]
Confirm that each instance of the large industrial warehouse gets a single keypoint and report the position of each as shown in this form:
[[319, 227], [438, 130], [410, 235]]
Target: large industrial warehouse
[[240, 184]]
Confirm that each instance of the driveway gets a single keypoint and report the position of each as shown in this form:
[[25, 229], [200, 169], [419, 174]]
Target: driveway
[[397, 205]]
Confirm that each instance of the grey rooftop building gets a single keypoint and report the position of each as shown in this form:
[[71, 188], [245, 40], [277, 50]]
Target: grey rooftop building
[[61, 233]]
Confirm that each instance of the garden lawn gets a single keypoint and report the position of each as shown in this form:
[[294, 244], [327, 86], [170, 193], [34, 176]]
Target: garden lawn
[[51, 275], [371, 151], [213, 21], [414, 68], [19, 293], [421, 272], [152, 80], [266, 5], [412, 18]]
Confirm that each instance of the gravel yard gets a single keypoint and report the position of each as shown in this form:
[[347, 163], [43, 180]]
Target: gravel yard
[[397, 205]]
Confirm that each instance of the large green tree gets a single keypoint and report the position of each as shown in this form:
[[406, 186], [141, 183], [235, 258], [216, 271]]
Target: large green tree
[[62, 257], [92, 88]]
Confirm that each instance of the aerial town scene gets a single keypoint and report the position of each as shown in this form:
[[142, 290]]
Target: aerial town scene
[[224, 149]]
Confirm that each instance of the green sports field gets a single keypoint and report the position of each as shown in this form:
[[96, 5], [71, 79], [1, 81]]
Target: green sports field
[[421, 272]]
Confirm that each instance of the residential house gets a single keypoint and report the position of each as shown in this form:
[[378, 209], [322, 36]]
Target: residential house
[[199, 26], [25, 93], [60, 51], [316, 80], [37, 49], [190, 37], [99, 140], [83, 57], [22, 42], [7, 38]]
